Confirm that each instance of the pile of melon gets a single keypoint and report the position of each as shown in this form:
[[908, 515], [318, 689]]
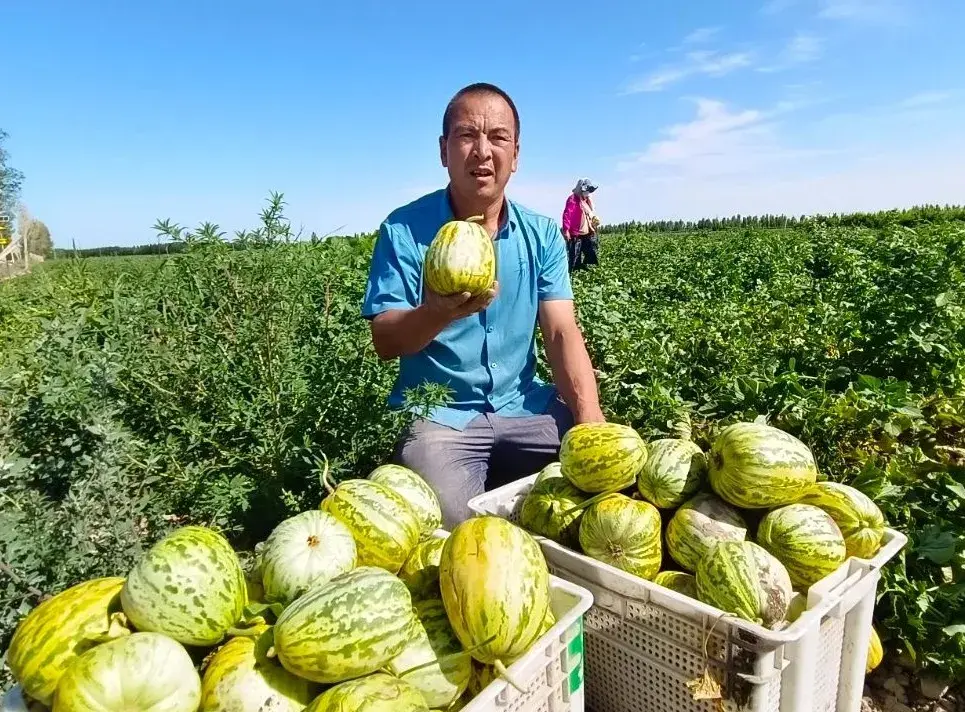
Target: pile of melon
[[747, 527], [362, 604]]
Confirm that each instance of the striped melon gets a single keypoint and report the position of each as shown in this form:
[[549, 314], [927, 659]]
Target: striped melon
[[495, 584], [308, 548], [743, 579], [148, 672], [602, 457], [349, 626], [415, 490], [805, 539], [461, 258], [420, 572], [701, 522], [383, 524], [674, 470], [432, 639], [678, 581], [189, 586], [543, 508], [379, 692], [61, 628], [860, 520], [554, 469], [756, 466], [876, 652], [624, 533], [239, 677]]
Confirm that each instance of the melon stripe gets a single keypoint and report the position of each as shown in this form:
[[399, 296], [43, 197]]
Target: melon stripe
[[753, 465], [384, 526], [805, 539], [350, 626], [602, 457], [53, 634]]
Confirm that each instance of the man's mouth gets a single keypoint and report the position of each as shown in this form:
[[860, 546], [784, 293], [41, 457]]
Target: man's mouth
[[481, 172]]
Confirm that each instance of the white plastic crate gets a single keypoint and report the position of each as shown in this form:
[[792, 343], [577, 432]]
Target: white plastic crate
[[644, 642], [552, 671]]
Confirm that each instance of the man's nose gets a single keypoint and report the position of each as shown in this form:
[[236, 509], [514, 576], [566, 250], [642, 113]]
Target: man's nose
[[483, 148]]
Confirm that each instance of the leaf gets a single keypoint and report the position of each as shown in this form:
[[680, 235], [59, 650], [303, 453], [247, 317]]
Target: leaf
[[957, 488], [705, 687], [938, 548], [953, 630]]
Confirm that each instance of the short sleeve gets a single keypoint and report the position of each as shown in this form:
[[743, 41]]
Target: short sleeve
[[554, 273], [394, 274]]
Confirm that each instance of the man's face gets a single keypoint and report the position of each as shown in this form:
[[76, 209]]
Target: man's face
[[481, 151]]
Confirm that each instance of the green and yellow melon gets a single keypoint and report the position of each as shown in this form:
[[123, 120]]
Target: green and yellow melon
[[495, 587], [546, 511], [415, 490], [876, 653], [384, 526], [379, 692], [433, 639], [698, 525], [602, 457], [420, 572], [674, 470], [756, 466], [189, 586], [240, 677], [679, 581], [461, 258], [349, 626], [148, 672], [805, 539], [743, 579], [308, 548], [61, 628], [624, 533], [860, 520], [552, 470]]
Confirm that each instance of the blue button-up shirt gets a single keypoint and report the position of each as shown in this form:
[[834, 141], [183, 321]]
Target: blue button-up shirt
[[488, 360]]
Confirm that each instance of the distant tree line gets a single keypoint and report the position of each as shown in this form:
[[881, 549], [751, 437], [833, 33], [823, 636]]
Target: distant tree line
[[909, 216]]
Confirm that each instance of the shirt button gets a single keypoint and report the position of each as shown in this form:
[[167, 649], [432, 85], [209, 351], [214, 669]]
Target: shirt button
[[493, 364], [489, 329]]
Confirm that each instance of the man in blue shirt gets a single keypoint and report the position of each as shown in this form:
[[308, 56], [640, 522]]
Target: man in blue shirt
[[502, 421]]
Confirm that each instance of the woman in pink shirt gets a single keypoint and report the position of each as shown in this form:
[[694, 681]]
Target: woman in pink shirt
[[579, 226]]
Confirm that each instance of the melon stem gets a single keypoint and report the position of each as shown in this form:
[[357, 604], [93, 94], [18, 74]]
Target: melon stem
[[592, 500], [323, 478]]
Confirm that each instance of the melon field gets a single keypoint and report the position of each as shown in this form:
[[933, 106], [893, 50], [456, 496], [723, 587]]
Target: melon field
[[139, 394]]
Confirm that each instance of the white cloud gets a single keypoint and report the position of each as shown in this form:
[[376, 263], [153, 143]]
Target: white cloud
[[868, 11], [729, 160], [701, 35], [705, 63], [718, 141], [926, 98], [800, 49]]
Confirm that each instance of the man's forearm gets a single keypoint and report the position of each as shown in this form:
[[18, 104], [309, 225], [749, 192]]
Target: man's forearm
[[400, 332], [574, 376]]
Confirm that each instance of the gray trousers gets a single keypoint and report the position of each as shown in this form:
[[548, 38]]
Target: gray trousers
[[492, 451]]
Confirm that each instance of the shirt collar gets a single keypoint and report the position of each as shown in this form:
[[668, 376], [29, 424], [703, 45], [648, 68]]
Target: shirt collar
[[511, 223]]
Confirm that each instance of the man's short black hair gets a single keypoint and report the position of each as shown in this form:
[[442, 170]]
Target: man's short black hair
[[477, 88]]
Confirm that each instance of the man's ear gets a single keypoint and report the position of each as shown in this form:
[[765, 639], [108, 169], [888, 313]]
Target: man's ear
[[443, 156], [516, 157]]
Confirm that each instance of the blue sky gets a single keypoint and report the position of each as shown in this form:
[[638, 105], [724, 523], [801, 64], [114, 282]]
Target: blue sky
[[121, 113]]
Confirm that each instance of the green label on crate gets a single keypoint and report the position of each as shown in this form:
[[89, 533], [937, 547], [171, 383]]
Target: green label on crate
[[575, 655]]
